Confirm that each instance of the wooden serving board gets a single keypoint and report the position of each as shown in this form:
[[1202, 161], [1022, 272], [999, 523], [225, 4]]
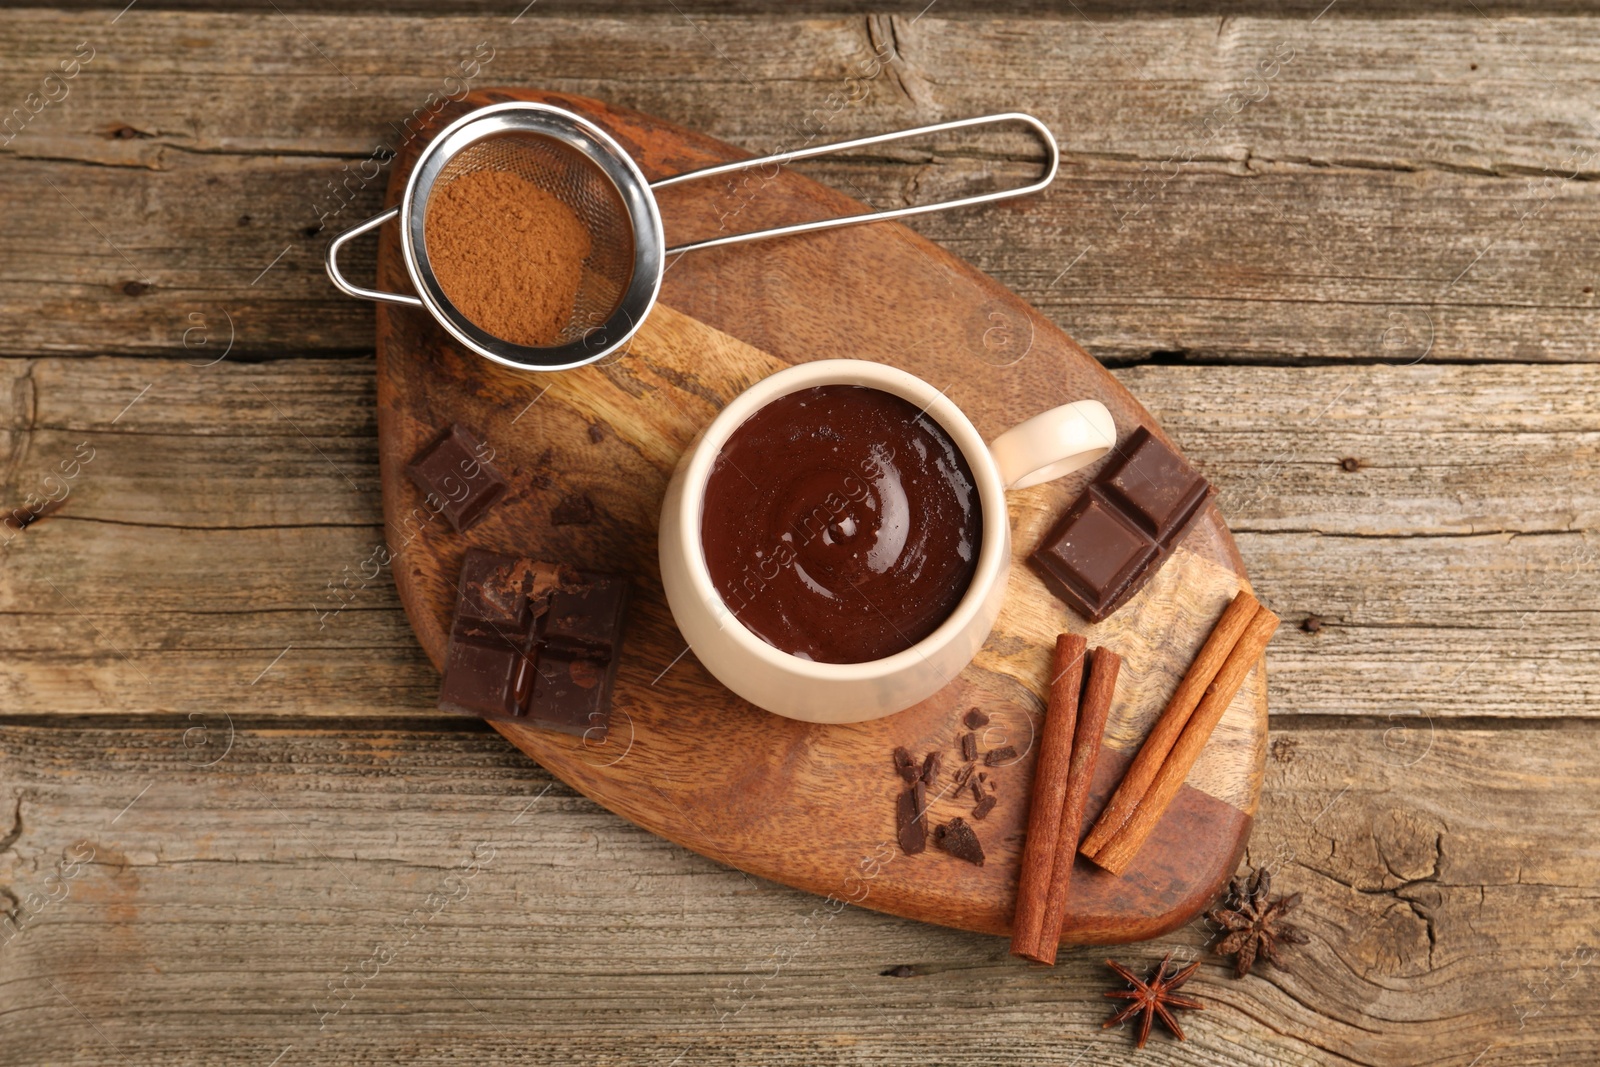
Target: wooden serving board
[[808, 805]]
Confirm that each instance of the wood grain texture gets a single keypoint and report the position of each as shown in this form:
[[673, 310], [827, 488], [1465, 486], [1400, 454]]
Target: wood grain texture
[[233, 910], [1389, 196], [202, 577]]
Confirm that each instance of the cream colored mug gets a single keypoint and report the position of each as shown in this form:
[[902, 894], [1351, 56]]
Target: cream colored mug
[[1046, 446]]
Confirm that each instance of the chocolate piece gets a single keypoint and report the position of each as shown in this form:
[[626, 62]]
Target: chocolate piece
[[985, 806], [963, 775], [584, 619], [911, 819], [572, 695], [930, 767], [534, 643], [905, 764], [959, 839], [505, 590], [1122, 528], [487, 677], [974, 719], [978, 790], [969, 746], [457, 477], [998, 756]]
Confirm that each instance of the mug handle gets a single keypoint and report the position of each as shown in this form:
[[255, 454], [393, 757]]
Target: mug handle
[[1053, 443]]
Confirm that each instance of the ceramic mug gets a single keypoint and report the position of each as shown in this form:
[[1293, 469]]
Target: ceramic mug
[[1046, 446]]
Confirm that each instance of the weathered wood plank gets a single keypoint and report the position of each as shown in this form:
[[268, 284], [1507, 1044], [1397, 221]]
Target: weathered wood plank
[[1400, 187], [230, 511], [317, 891]]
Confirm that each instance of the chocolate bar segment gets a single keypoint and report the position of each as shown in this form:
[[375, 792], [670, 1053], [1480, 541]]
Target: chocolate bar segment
[[535, 643], [572, 695], [1122, 528], [911, 819], [1156, 486], [585, 619], [456, 475], [487, 677]]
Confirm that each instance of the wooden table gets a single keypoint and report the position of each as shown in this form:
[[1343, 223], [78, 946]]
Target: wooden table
[[1347, 260]]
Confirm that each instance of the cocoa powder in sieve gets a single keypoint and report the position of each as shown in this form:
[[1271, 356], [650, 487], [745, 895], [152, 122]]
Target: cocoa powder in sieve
[[507, 253]]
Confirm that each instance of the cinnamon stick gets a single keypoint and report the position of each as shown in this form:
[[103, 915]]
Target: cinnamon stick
[[1049, 791], [1121, 849], [1137, 778], [1104, 665]]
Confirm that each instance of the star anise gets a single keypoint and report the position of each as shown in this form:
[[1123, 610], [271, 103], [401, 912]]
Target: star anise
[[1256, 926], [1153, 997]]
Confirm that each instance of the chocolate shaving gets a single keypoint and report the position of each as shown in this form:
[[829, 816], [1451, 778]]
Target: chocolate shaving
[[958, 839], [905, 765], [969, 746], [930, 767], [963, 774], [975, 718], [985, 806], [999, 756], [911, 823]]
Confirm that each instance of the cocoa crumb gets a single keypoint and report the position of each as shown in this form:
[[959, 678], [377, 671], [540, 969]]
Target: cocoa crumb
[[999, 756], [905, 764]]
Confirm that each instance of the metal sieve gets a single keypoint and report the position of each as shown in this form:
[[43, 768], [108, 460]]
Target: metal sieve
[[586, 170]]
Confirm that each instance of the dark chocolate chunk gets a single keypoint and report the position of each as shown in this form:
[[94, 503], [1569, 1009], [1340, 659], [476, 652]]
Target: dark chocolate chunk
[[487, 677], [963, 775], [534, 643], [975, 719], [978, 790], [911, 819], [930, 767], [969, 746], [1117, 534], [959, 839], [998, 756], [584, 619], [1157, 486], [573, 511], [505, 590], [572, 695], [455, 473], [984, 806], [905, 764]]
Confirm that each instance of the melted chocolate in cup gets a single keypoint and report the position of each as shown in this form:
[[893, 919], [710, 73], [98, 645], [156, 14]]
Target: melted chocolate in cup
[[841, 524]]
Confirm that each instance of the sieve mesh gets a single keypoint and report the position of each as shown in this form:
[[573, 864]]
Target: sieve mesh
[[577, 182]]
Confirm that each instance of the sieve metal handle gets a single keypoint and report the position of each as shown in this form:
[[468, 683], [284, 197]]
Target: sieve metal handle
[[348, 287], [872, 216]]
